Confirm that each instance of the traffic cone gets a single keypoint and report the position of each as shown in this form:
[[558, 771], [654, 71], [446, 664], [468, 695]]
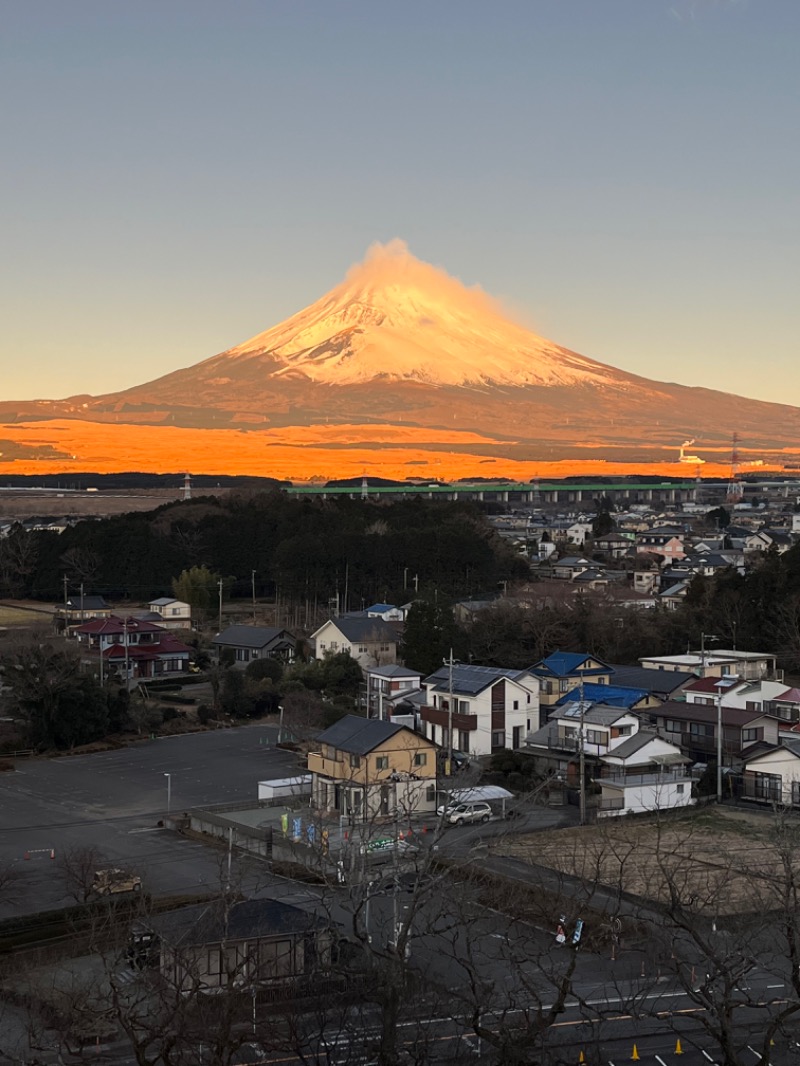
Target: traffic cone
[[635, 1055], [678, 1048], [581, 1057]]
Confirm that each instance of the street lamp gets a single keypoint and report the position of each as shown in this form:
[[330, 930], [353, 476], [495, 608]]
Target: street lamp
[[169, 792]]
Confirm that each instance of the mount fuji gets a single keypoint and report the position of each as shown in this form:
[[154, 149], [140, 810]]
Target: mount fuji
[[402, 354]]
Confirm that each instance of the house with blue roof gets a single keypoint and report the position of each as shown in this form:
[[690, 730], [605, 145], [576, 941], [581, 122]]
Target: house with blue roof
[[632, 699], [563, 671], [387, 611]]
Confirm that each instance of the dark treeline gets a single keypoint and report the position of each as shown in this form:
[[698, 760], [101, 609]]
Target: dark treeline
[[309, 550], [759, 611]]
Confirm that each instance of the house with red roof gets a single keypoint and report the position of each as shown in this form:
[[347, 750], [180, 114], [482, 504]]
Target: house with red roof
[[134, 646]]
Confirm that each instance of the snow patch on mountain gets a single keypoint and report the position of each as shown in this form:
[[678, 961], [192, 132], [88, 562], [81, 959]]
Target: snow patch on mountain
[[397, 318]]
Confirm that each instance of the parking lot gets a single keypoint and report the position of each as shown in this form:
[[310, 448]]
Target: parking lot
[[114, 800]]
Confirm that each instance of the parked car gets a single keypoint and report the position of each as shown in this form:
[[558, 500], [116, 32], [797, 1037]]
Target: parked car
[[114, 881], [465, 813]]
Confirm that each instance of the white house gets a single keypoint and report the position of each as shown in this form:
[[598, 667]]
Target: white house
[[487, 708], [643, 773], [173, 614], [387, 611], [387, 686], [774, 776], [371, 641], [722, 662]]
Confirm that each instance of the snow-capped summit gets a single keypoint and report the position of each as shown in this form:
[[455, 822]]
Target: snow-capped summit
[[397, 318]]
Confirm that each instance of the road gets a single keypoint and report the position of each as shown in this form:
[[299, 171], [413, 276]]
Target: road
[[114, 800]]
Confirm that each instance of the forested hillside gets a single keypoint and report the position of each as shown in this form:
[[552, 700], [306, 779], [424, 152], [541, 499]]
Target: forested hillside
[[309, 550]]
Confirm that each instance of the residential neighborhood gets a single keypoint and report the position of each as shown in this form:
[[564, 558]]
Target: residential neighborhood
[[390, 748]]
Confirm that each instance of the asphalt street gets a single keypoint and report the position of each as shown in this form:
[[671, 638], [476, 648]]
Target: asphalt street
[[114, 800]]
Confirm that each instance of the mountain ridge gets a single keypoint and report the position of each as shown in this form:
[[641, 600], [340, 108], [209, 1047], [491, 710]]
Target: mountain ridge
[[399, 343]]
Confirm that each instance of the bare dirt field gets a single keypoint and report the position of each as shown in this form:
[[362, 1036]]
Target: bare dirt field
[[723, 859]]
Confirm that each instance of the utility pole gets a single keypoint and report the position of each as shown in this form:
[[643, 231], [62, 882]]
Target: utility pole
[[253, 584], [220, 604], [719, 745], [127, 663], [66, 597], [82, 618], [449, 662], [582, 754]]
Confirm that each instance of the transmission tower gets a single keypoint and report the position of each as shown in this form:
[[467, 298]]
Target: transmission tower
[[735, 487]]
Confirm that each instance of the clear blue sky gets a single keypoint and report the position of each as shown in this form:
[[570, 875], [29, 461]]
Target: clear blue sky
[[181, 174]]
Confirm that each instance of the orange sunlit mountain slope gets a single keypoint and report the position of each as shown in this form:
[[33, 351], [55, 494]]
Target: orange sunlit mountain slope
[[400, 370]]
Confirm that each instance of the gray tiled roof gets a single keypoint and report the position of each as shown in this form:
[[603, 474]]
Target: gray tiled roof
[[248, 636], [470, 680], [368, 630], [359, 736], [208, 923], [659, 682]]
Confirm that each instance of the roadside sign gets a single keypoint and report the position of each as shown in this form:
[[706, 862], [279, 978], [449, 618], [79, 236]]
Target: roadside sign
[[576, 936]]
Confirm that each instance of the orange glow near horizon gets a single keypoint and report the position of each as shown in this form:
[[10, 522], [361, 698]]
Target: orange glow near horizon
[[305, 453]]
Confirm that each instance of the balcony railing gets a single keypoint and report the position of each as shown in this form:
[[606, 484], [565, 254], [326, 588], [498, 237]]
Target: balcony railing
[[654, 778]]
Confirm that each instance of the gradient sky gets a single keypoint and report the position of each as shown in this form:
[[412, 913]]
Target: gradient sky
[[181, 174]]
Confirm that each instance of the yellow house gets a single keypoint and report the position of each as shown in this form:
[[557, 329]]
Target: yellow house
[[369, 768]]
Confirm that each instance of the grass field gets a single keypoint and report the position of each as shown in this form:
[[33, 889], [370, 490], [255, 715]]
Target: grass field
[[719, 859], [20, 616]]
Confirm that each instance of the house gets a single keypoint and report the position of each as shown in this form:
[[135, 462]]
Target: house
[[613, 545], [774, 776], [256, 642], [387, 611], [719, 663], [693, 726], [643, 773], [465, 611], [632, 699], [592, 726], [224, 946], [77, 609], [662, 684], [387, 686], [568, 568], [487, 708], [578, 531], [646, 581], [134, 647], [564, 671], [368, 767], [173, 614], [673, 596], [661, 540], [371, 641]]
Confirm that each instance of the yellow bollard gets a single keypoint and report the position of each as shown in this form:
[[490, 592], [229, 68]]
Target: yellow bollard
[[581, 1057], [635, 1055], [678, 1048]]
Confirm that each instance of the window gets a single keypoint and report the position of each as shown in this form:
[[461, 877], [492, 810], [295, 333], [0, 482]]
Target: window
[[363, 648], [749, 735], [355, 762], [214, 962], [276, 958], [498, 738], [671, 726], [430, 794], [594, 736], [564, 685], [701, 729], [382, 762], [625, 730], [420, 758], [680, 789], [516, 705], [463, 706]]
